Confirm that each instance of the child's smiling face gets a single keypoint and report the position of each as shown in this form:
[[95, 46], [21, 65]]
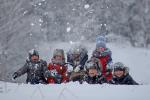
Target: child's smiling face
[[119, 73], [92, 72]]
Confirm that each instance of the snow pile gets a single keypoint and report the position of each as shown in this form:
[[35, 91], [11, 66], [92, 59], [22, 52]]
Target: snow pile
[[73, 91], [86, 6]]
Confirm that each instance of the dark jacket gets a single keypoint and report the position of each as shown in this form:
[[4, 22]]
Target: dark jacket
[[36, 71], [95, 80], [83, 59], [126, 79]]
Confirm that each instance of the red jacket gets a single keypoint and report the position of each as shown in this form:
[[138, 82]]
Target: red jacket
[[61, 70], [104, 61], [104, 58]]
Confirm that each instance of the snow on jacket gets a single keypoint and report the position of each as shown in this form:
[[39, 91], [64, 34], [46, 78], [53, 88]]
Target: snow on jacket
[[36, 71], [83, 58], [60, 73]]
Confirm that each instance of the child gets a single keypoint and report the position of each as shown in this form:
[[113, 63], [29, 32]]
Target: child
[[121, 75], [77, 56], [36, 69], [58, 68], [93, 76], [103, 54]]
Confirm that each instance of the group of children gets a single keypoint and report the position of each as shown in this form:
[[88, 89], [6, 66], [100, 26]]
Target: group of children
[[97, 70]]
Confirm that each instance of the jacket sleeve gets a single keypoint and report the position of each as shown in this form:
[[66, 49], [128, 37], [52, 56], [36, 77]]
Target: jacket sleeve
[[69, 58], [129, 80], [23, 70], [95, 54], [46, 72], [109, 54], [84, 58]]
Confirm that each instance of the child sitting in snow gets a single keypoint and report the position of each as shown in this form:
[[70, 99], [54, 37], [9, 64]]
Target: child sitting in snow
[[58, 68], [103, 54], [93, 76], [121, 75]]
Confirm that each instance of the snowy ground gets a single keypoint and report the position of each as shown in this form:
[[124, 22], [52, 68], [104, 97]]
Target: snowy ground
[[136, 58], [74, 91]]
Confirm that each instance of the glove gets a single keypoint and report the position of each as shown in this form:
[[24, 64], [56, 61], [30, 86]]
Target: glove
[[109, 67], [58, 78], [53, 73], [70, 68], [47, 74], [15, 75], [77, 69], [102, 80]]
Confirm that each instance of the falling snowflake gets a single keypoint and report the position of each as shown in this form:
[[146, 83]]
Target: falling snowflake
[[68, 29], [40, 20], [86, 6], [73, 9], [30, 34], [32, 24], [25, 12], [40, 4], [71, 42], [40, 24]]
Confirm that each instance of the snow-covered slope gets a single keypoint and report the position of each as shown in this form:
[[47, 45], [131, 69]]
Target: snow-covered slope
[[136, 58]]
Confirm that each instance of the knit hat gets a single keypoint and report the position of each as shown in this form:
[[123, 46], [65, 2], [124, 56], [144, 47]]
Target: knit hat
[[100, 42]]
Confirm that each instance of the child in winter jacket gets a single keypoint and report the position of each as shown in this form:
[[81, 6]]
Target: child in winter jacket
[[121, 75], [103, 54], [76, 57], [36, 69], [92, 76], [58, 68]]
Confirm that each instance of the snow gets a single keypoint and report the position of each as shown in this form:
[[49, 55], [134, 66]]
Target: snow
[[32, 24], [74, 91], [68, 29], [40, 20], [137, 59], [86, 6], [30, 34]]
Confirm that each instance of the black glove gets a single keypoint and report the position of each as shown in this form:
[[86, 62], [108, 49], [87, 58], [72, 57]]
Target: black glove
[[47, 74], [102, 79], [15, 75], [58, 78]]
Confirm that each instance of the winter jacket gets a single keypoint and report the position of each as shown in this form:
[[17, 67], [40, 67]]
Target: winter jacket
[[96, 80], [104, 60], [83, 58], [36, 71], [92, 80], [126, 79], [59, 73]]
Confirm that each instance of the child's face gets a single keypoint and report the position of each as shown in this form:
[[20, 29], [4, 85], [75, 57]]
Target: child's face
[[58, 58], [101, 49], [76, 56], [119, 73], [34, 58], [92, 72]]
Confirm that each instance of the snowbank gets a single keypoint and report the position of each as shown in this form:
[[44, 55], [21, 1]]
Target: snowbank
[[73, 91]]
